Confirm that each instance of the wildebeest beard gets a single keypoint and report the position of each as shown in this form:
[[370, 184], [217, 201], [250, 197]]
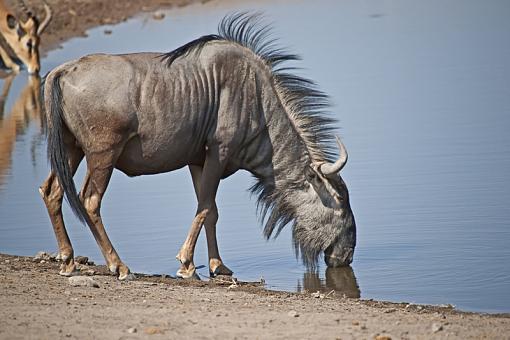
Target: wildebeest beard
[[315, 227]]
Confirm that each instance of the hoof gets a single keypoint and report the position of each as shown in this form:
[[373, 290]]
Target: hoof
[[127, 277], [221, 270], [122, 271], [187, 274], [68, 269]]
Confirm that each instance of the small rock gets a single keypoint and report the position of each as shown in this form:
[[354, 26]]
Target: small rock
[[81, 259], [153, 330], [82, 281], [158, 15], [132, 330], [42, 255], [108, 32], [7, 261], [42, 262], [382, 337], [355, 323], [316, 295], [293, 314], [390, 310], [436, 327]]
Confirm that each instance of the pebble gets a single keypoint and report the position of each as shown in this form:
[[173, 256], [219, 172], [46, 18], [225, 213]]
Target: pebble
[[293, 314], [153, 330], [158, 15], [42, 255], [132, 330], [42, 262], [82, 281], [436, 327], [81, 259], [7, 261], [108, 32], [382, 337]]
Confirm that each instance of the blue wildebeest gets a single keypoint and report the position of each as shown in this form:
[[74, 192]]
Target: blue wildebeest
[[217, 104]]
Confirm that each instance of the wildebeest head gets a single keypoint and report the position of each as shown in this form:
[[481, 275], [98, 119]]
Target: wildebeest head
[[325, 222], [23, 37]]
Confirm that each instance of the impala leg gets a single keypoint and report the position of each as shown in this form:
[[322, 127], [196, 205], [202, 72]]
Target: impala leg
[[8, 62], [99, 171], [52, 195], [210, 179], [216, 266]]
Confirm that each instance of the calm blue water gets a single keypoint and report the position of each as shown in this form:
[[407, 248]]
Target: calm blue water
[[422, 91]]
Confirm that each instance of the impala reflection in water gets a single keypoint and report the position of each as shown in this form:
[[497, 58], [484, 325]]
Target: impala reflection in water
[[25, 110]]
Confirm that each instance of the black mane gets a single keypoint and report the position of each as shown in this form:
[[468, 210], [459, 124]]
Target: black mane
[[194, 45]]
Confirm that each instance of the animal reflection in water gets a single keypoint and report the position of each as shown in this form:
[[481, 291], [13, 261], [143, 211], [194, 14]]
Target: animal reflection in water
[[341, 280], [24, 111]]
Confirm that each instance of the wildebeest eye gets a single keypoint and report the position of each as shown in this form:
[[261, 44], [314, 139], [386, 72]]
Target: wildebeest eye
[[310, 174]]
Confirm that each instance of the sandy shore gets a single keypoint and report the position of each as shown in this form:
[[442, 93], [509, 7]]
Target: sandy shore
[[38, 303]]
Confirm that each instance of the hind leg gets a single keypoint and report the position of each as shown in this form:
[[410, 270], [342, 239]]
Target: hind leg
[[99, 171], [52, 195]]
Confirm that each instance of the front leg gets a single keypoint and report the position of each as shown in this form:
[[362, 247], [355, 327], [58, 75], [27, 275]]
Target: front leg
[[206, 193], [216, 265], [8, 62]]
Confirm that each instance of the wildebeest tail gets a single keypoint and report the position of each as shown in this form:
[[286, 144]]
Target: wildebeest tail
[[57, 154]]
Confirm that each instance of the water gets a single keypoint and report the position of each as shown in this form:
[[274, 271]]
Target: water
[[422, 90]]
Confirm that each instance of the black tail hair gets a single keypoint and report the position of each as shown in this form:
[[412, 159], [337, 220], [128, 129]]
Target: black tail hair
[[57, 155]]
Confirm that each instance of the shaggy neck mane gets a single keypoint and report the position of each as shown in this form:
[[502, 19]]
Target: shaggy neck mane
[[305, 106]]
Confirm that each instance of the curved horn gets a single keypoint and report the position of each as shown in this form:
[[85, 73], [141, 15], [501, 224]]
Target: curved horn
[[24, 8], [333, 168], [47, 19]]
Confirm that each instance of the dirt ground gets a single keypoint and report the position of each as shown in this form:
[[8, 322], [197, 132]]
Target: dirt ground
[[38, 303]]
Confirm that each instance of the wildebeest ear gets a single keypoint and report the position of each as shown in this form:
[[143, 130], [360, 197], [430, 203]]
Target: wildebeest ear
[[11, 21]]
